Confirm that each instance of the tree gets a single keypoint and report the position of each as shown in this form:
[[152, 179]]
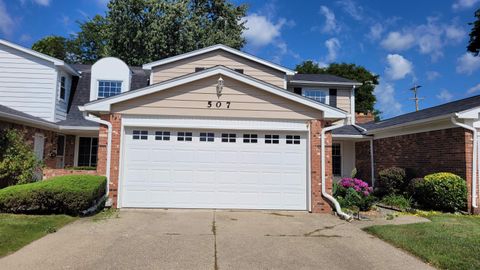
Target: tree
[[18, 162], [55, 46], [474, 44], [91, 43], [364, 96]]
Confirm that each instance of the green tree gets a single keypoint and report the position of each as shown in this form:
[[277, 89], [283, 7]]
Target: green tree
[[18, 162], [364, 96], [91, 42], [55, 46], [474, 43]]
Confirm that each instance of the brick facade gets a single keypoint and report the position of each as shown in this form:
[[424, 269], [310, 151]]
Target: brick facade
[[49, 173], [50, 158], [361, 118], [446, 150]]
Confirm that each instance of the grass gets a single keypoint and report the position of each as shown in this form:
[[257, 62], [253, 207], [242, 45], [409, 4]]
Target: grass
[[17, 231], [449, 241], [105, 214]]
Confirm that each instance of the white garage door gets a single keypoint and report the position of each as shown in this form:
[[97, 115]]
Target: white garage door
[[180, 168]]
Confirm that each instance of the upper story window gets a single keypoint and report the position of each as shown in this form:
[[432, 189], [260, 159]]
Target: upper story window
[[109, 88], [320, 95], [62, 88]]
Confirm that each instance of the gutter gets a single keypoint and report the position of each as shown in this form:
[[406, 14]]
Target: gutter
[[329, 197], [474, 159], [109, 146]]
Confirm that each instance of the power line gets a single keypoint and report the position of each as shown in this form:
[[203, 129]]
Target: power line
[[415, 95]]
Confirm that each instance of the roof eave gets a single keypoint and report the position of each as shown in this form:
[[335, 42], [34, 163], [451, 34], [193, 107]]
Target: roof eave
[[325, 82], [411, 123]]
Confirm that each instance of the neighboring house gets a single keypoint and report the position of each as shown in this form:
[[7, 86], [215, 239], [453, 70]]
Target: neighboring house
[[213, 128]]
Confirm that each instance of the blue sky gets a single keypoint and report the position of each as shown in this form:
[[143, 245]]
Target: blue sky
[[402, 41]]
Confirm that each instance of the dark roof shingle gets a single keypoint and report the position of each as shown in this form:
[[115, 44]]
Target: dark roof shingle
[[320, 78]]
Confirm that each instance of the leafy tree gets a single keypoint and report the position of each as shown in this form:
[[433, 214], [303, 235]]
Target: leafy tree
[[474, 44], [364, 96], [18, 162], [55, 46], [90, 44]]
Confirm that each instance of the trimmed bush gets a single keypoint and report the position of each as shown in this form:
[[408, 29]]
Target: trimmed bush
[[353, 192], [391, 180], [441, 191], [397, 201], [69, 194]]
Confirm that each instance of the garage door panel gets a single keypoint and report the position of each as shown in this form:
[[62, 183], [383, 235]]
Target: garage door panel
[[202, 174]]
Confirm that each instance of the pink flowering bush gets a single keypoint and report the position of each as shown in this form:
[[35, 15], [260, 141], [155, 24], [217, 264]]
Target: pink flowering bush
[[353, 192]]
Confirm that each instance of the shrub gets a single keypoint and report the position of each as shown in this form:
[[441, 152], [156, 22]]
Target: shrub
[[441, 191], [391, 180], [397, 201], [59, 195], [412, 186], [352, 192], [18, 162]]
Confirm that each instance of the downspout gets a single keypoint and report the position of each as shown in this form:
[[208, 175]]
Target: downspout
[[474, 159], [329, 197], [109, 146]]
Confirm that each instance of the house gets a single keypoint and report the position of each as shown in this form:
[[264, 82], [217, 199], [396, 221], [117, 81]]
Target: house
[[212, 128]]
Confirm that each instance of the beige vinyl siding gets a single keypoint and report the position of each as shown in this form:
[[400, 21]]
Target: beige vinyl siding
[[215, 58], [343, 94], [192, 100]]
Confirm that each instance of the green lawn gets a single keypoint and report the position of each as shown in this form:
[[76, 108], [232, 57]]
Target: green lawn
[[17, 231], [448, 242]]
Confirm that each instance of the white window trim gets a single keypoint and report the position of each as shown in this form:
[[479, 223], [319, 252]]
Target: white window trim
[[106, 80], [60, 88], [341, 159], [327, 93]]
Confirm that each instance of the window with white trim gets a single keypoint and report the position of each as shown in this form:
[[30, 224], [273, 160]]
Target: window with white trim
[[336, 159], [250, 138], [87, 151], [140, 134], [63, 90], [207, 136], [272, 139], [292, 139], [320, 95], [162, 135], [184, 136], [229, 137], [109, 88]]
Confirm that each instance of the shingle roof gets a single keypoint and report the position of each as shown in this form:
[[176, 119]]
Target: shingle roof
[[7, 110], [320, 78], [437, 111], [81, 94], [347, 130]]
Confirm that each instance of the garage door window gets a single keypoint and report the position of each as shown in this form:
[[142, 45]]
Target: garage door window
[[140, 134], [184, 136], [207, 137], [162, 135], [272, 139], [250, 138], [293, 139], [229, 137]]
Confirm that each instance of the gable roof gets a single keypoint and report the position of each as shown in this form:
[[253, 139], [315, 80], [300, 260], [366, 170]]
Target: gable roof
[[104, 105], [12, 114], [149, 66], [440, 111], [55, 61], [321, 78]]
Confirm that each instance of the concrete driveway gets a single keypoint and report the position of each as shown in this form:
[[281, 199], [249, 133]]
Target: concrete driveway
[[207, 239]]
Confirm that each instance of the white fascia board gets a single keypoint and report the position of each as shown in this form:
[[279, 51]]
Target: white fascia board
[[198, 123], [324, 83], [28, 121], [347, 136], [149, 66], [55, 61], [79, 128], [412, 123], [472, 113], [104, 105]]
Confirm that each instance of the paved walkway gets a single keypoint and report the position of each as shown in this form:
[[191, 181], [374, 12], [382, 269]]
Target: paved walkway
[[207, 239]]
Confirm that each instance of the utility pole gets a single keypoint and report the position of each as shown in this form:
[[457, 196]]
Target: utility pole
[[415, 96]]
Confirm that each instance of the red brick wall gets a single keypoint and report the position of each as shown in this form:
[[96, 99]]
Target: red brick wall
[[361, 118], [115, 120], [319, 204], [49, 173], [447, 150]]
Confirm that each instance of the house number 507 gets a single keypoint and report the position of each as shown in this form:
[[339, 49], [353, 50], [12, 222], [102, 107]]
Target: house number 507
[[218, 104]]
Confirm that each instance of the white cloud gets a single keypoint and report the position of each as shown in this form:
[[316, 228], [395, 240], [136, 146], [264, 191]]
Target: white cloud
[[387, 103], [352, 8], [376, 31], [398, 67], [333, 45], [455, 33], [25, 38], [462, 4], [467, 64], [6, 21], [432, 75], [260, 30], [42, 2], [445, 95], [396, 41], [474, 89], [331, 25]]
